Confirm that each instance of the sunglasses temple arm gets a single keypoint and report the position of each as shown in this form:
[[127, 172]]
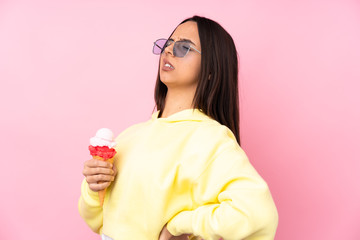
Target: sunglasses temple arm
[[195, 49]]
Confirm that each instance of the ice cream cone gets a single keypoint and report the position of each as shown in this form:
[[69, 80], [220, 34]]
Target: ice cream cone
[[103, 192], [102, 147]]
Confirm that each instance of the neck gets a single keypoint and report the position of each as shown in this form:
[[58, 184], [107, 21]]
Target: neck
[[177, 100]]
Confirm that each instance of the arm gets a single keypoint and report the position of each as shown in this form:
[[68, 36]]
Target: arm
[[89, 208], [231, 202]]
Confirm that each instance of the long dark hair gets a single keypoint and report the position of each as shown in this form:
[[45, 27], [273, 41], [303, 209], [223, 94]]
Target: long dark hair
[[217, 90]]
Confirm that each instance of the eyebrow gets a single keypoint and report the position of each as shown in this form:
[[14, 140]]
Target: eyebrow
[[185, 40]]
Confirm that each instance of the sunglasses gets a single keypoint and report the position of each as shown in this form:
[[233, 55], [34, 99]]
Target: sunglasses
[[180, 49]]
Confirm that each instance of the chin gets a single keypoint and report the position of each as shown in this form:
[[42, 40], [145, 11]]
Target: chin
[[167, 82], [167, 79]]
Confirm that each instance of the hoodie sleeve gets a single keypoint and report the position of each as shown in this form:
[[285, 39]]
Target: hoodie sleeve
[[231, 201], [89, 208]]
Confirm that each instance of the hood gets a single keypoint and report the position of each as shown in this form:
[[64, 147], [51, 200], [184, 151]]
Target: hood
[[192, 114]]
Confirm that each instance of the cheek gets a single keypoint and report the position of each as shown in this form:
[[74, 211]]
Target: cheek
[[192, 69]]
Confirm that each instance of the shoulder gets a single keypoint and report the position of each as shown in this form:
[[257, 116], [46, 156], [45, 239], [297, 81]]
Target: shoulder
[[221, 130], [212, 140], [221, 140], [212, 130]]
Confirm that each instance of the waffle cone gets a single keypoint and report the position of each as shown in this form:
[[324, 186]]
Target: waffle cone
[[103, 192]]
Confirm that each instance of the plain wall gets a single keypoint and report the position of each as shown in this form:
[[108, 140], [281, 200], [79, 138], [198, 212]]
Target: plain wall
[[68, 68]]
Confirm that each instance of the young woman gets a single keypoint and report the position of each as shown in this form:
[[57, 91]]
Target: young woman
[[183, 173]]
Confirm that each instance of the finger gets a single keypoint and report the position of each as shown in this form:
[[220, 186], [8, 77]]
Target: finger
[[98, 186], [98, 170], [99, 178], [98, 163]]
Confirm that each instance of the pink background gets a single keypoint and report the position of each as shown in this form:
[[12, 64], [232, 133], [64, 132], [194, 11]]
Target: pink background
[[68, 68]]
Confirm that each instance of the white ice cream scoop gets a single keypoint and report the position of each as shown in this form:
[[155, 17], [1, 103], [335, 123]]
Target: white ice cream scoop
[[103, 137]]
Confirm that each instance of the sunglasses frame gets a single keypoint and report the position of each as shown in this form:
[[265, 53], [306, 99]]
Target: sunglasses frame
[[174, 52]]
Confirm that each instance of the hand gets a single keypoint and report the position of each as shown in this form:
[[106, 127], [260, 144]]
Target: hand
[[99, 174], [166, 235]]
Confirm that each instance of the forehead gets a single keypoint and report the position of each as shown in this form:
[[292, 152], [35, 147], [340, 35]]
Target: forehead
[[187, 30]]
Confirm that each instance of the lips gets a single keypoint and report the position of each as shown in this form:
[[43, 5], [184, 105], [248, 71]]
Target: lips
[[166, 66]]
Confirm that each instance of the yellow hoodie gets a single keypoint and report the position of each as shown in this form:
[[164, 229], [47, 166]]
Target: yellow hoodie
[[188, 171]]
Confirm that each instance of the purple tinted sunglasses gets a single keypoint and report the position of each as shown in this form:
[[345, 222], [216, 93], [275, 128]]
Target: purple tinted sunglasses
[[180, 49]]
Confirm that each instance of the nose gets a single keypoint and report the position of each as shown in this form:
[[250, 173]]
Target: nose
[[169, 48]]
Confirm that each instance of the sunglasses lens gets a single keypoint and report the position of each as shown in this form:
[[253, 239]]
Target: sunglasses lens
[[158, 46], [181, 49]]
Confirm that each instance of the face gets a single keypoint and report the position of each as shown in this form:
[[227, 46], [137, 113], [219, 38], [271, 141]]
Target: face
[[186, 70]]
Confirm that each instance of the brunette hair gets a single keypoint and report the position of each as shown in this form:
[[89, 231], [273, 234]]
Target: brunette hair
[[217, 90]]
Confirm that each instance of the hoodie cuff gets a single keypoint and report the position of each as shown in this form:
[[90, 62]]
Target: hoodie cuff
[[91, 197], [181, 223]]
